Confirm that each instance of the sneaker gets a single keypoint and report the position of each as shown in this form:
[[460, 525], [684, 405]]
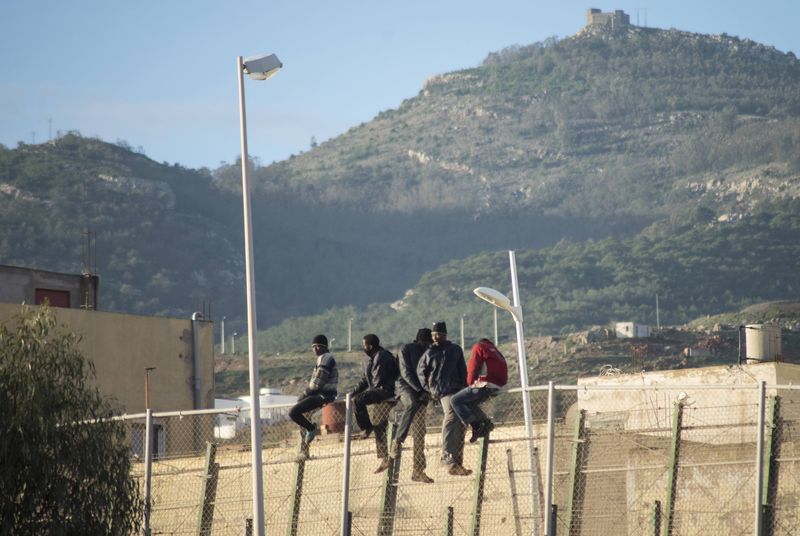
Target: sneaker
[[420, 476], [489, 426], [481, 429], [394, 450], [364, 434], [476, 431], [311, 434], [459, 470], [383, 466]]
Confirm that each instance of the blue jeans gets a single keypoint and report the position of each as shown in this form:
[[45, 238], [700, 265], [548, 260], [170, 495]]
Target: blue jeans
[[466, 403]]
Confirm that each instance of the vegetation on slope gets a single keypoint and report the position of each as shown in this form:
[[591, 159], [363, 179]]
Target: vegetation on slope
[[696, 267], [596, 135]]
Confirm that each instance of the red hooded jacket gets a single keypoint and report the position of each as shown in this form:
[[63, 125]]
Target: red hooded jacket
[[486, 365]]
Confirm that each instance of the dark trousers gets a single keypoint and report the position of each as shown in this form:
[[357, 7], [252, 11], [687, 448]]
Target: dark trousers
[[412, 419], [466, 403], [360, 403], [305, 405]]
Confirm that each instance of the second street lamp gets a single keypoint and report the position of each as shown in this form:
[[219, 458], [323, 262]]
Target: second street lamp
[[500, 300], [257, 68]]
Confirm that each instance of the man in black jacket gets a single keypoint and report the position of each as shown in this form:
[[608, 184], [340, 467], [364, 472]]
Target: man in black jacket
[[377, 385], [415, 401], [442, 372]]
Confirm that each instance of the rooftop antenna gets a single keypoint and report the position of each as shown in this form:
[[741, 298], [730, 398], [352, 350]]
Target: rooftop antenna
[[89, 255]]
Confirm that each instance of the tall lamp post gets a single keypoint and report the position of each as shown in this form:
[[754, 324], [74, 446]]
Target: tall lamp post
[[258, 68], [500, 300], [222, 336], [349, 334]]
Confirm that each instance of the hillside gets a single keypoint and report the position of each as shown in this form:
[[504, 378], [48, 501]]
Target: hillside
[[697, 267], [152, 221], [596, 136], [633, 124], [562, 358]]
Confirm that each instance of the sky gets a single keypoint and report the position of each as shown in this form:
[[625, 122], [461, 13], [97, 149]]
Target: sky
[[161, 75]]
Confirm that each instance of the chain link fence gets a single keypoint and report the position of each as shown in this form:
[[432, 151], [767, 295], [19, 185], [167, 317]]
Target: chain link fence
[[666, 460]]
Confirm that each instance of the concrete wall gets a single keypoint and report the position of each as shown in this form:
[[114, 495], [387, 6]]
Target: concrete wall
[[122, 345], [649, 409], [19, 285]]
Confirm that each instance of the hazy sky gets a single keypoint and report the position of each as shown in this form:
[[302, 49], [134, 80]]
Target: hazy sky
[[162, 74]]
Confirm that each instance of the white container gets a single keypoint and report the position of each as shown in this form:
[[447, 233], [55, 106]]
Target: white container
[[762, 342]]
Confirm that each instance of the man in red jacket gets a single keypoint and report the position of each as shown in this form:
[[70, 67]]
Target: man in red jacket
[[487, 372]]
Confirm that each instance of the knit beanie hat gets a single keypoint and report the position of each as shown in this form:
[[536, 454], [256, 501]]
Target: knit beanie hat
[[423, 335], [320, 340]]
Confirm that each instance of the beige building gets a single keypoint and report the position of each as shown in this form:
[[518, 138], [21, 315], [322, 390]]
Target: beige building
[[121, 346], [77, 291]]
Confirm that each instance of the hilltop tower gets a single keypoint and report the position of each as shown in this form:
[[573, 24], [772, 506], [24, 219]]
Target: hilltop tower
[[613, 21]]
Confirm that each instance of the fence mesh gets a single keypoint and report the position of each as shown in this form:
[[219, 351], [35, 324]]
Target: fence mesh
[[625, 461]]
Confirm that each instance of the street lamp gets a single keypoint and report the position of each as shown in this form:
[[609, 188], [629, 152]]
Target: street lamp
[[501, 301], [349, 334], [233, 343], [257, 68], [147, 386], [222, 335]]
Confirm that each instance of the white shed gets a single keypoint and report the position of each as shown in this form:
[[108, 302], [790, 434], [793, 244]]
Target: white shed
[[631, 330]]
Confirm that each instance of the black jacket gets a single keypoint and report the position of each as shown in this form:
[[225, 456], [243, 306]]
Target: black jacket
[[409, 357], [380, 372], [442, 370]]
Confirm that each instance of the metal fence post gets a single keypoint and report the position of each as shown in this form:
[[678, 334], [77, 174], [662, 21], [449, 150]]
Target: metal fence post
[[549, 528], [448, 525], [762, 394], [769, 489], [672, 476], [208, 492], [346, 519], [655, 520], [148, 468], [514, 500], [297, 495], [575, 491], [480, 481], [389, 496]]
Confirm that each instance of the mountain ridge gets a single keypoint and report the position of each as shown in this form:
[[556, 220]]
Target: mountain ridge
[[598, 135]]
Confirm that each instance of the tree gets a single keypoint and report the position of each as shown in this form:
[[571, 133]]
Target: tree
[[60, 475]]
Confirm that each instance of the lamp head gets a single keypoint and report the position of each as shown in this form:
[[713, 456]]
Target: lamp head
[[261, 67], [498, 299]]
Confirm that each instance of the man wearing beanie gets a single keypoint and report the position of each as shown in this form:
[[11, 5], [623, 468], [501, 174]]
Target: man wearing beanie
[[442, 372], [321, 388], [415, 401], [376, 385]]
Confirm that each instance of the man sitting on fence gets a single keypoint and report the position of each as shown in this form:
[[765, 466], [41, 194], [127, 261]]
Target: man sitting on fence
[[442, 373], [487, 372], [321, 388], [376, 385], [415, 402]]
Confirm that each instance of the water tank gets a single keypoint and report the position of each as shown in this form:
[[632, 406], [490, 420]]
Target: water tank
[[762, 342]]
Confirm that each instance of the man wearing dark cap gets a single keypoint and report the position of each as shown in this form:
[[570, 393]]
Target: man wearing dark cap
[[376, 385], [442, 372], [415, 401], [321, 388]]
